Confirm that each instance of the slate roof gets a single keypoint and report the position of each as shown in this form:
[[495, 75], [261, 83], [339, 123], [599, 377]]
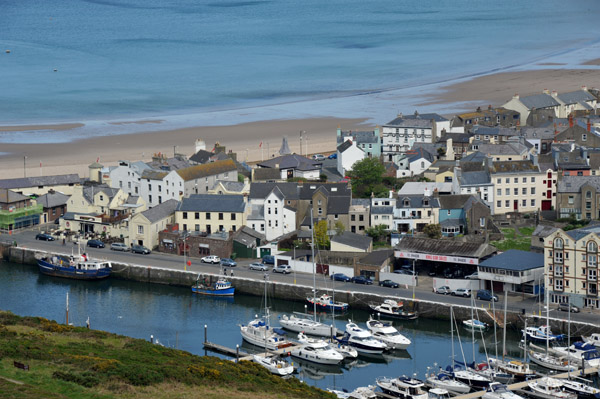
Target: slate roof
[[475, 178], [52, 200], [362, 202], [291, 161], [578, 234], [419, 188], [476, 156], [212, 203], [161, 211], [56, 180], [503, 149], [452, 222], [257, 212], [416, 201], [248, 236], [201, 156], [539, 101], [573, 184], [377, 257], [353, 240], [516, 260], [575, 97], [445, 247], [415, 155], [262, 190], [230, 185], [415, 120], [90, 191], [494, 131], [458, 201], [543, 231], [573, 133], [8, 197], [543, 133], [209, 169], [514, 167], [456, 138], [344, 146], [132, 199], [338, 205], [169, 164], [154, 174], [359, 137], [263, 174], [382, 210]]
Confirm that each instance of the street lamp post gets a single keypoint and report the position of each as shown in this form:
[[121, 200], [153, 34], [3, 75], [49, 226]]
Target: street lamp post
[[414, 280], [294, 262], [25, 166]]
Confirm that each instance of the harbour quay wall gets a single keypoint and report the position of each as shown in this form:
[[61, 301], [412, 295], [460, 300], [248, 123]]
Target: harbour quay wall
[[296, 292]]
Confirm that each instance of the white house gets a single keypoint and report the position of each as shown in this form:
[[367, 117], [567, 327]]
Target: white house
[[417, 162], [294, 165], [382, 212], [126, 176], [348, 153], [279, 218]]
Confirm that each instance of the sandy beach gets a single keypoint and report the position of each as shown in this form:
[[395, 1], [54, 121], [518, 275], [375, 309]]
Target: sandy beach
[[245, 139]]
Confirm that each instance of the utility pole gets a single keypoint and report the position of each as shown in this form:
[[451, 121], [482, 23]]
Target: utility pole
[[25, 166]]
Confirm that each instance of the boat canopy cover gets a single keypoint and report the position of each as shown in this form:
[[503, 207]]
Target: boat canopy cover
[[279, 331]]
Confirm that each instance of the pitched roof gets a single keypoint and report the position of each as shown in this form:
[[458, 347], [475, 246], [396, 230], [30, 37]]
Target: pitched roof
[[573, 184], [514, 167], [344, 146], [56, 180], [420, 187], [539, 101], [415, 155], [359, 137], [575, 97], [445, 247], [416, 119], [154, 174], [543, 231], [161, 211], [51, 200], [259, 174], [577, 234], [291, 161], [417, 201], [338, 204], [514, 259], [90, 191], [457, 201], [353, 240], [377, 257], [8, 197], [212, 203], [475, 178], [202, 156], [546, 133], [382, 210], [230, 185], [494, 131], [209, 169]]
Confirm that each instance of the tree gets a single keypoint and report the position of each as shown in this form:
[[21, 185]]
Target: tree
[[377, 232], [339, 227], [441, 152], [321, 238], [433, 231], [367, 177]]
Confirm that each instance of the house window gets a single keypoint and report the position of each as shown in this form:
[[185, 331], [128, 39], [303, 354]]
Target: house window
[[524, 203], [233, 216], [532, 202], [532, 190], [516, 191], [159, 199], [197, 227], [448, 212], [140, 229], [499, 204], [262, 227], [584, 137], [499, 181], [196, 215], [353, 218], [533, 179], [361, 218], [101, 197], [320, 211], [507, 180], [184, 215], [524, 191], [221, 228], [499, 192], [149, 187], [571, 200], [207, 215], [516, 179], [150, 198], [220, 215], [159, 189], [507, 191], [481, 222], [588, 194], [592, 261]]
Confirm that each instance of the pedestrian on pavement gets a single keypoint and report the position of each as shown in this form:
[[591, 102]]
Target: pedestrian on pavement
[[231, 273], [64, 241]]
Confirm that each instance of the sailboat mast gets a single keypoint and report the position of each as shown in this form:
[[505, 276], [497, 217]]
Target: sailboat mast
[[495, 322], [312, 247], [473, 329], [525, 343], [452, 334], [547, 312], [504, 332]]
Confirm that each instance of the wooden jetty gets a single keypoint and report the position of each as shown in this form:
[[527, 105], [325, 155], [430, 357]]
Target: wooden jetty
[[519, 386], [233, 352]]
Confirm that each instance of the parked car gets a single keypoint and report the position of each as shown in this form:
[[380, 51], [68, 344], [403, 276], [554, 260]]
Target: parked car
[[214, 259], [228, 262], [95, 244], [567, 307], [318, 157], [268, 260], [44, 237], [473, 276], [140, 249], [361, 280], [340, 277], [462, 292], [486, 295], [285, 269], [258, 266], [333, 156], [444, 289], [119, 246], [389, 283]]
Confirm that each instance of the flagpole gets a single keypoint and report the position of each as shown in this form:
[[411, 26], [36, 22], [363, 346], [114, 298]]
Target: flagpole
[[262, 152]]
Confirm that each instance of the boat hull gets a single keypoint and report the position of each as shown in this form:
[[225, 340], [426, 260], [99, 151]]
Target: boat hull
[[72, 272], [214, 292]]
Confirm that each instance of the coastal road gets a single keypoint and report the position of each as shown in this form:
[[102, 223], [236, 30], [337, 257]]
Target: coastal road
[[423, 291]]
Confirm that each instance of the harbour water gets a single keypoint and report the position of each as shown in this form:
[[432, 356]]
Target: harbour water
[[206, 62], [176, 318]]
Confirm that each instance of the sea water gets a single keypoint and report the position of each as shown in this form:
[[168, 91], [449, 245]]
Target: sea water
[[215, 62], [176, 318]]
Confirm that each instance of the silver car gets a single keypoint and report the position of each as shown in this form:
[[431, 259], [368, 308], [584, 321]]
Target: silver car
[[119, 246], [258, 266]]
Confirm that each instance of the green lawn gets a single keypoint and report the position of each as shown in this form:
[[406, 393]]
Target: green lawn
[[514, 240]]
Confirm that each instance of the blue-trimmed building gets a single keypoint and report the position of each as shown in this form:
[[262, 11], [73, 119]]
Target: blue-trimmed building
[[514, 271]]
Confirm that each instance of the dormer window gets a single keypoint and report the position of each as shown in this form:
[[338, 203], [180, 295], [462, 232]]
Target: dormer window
[[584, 137], [425, 202], [406, 203]]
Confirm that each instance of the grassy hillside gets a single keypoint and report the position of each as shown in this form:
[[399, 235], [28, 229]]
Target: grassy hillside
[[74, 362]]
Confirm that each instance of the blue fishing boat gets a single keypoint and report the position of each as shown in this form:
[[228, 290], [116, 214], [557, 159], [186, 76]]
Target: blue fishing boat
[[542, 334], [76, 267], [221, 287]]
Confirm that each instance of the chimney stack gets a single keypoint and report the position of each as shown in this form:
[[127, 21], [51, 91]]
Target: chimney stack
[[584, 88], [546, 91], [589, 125], [516, 96], [554, 93], [570, 120]]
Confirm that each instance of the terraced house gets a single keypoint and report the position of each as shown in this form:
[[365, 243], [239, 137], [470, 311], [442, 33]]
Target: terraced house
[[205, 213], [571, 266]]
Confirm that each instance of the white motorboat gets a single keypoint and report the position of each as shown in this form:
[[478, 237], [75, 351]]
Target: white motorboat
[[438, 393], [550, 362], [497, 390], [367, 392], [468, 376], [346, 351], [581, 389], [541, 334], [579, 351], [475, 324], [362, 340], [402, 387], [393, 309], [445, 381], [388, 334], [550, 388], [300, 322], [277, 367], [317, 352], [593, 339]]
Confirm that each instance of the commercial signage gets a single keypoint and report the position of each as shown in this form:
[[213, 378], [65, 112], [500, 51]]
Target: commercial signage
[[436, 258]]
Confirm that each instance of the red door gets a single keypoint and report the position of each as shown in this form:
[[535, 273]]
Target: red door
[[516, 205], [546, 205]]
